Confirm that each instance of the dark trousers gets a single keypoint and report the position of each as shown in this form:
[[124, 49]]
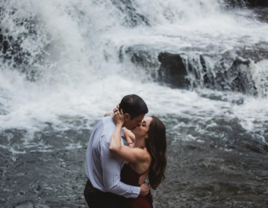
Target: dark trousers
[[101, 199]]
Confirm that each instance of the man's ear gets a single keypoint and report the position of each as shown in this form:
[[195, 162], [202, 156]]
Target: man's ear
[[126, 117]]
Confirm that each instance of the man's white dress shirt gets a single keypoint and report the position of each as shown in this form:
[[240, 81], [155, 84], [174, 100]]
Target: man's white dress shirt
[[102, 168]]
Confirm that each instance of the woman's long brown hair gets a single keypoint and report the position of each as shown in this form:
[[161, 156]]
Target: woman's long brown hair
[[156, 145]]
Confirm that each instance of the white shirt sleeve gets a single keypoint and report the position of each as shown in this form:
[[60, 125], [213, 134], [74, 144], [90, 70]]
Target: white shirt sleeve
[[111, 166]]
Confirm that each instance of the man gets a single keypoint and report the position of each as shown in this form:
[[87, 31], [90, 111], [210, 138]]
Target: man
[[104, 188]]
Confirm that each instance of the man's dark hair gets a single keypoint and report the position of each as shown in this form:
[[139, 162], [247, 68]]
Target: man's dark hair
[[133, 105]]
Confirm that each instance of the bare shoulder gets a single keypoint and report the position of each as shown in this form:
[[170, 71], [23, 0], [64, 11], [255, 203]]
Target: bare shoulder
[[145, 154], [148, 156]]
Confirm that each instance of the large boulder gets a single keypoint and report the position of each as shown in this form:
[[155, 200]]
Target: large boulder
[[247, 3], [257, 3], [172, 70], [229, 73]]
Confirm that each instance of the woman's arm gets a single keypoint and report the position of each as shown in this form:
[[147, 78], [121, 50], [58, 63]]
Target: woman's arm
[[129, 137], [129, 154], [115, 142], [133, 155], [108, 114]]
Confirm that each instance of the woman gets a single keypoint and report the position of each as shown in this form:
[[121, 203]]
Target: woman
[[145, 156]]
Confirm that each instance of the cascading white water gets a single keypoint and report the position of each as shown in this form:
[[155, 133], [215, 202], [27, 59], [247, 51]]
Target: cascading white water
[[70, 63]]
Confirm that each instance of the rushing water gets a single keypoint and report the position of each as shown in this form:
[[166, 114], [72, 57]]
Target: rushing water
[[66, 63]]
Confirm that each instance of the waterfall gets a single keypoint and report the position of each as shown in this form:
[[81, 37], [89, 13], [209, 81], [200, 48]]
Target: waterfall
[[64, 59]]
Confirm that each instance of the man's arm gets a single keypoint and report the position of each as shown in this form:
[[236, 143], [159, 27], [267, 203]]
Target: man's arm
[[111, 167]]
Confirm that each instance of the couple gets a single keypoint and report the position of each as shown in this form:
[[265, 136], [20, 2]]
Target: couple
[[116, 173]]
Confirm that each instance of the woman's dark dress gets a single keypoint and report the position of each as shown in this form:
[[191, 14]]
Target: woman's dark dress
[[131, 177]]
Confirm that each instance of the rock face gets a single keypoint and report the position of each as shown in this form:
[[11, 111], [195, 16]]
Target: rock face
[[247, 3], [229, 73], [261, 14], [257, 3], [172, 70]]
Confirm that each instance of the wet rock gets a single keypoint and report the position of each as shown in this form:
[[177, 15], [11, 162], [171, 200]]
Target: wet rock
[[255, 52], [143, 57], [231, 72], [238, 102], [261, 14], [247, 3], [140, 55], [172, 70], [256, 3], [237, 77], [235, 3], [222, 97], [257, 147]]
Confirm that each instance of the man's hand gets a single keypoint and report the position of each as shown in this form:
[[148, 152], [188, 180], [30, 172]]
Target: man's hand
[[145, 188]]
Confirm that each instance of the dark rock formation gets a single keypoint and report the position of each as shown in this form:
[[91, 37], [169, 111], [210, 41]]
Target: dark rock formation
[[247, 3], [142, 57], [261, 14], [172, 70], [257, 3], [236, 78], [229, 73], [255, 52]]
